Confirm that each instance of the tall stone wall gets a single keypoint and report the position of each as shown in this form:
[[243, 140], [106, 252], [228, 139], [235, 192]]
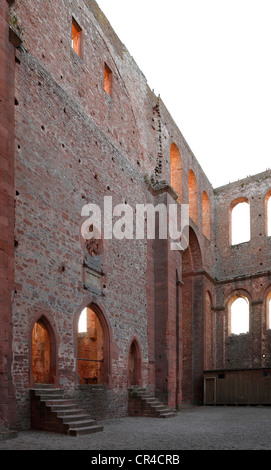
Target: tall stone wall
[[7, 65], [77, 144]]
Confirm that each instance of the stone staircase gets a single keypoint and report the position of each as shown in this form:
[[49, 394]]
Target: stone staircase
[[143, 403], [50, 411]]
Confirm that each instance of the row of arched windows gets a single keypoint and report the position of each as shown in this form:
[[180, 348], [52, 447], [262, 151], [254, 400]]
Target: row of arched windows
[[238, 309], [177, 185], [240, 219]]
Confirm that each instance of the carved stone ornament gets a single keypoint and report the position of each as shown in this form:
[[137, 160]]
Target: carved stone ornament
[[93, 245]]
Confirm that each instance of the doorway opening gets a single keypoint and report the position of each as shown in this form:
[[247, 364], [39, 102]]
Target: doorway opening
[[42, 353], [91, 347]]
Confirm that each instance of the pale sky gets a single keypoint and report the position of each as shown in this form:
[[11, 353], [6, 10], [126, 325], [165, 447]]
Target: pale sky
[[210, 61]]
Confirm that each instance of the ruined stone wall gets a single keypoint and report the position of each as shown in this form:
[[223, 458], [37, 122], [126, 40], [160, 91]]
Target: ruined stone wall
[[76, 144], [243, 269]]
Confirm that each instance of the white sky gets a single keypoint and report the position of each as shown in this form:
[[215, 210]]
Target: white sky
[[210, 61]]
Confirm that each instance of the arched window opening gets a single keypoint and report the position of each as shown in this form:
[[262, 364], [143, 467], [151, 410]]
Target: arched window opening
[[134, 365], [206, 228], [90, 345], [193, 196], [268, 307], [176, 171], [239, 315], [41, 353], [108, 80], [209, 340], [240, 222], [76, 38], [268, 214]]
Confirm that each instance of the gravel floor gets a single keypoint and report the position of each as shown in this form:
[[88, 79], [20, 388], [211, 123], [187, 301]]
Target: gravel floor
[[197, 428]]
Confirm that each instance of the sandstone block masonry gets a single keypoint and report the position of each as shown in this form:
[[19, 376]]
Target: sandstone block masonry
[[80, 123]]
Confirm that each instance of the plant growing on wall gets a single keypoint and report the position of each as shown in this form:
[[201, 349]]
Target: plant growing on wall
[[15, 23]]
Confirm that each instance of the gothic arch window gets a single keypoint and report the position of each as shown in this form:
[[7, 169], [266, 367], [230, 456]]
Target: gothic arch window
[[92, 346], [239, 315], [206, 227], [176, 171], [268, 213], [240, 221], [193, 196]]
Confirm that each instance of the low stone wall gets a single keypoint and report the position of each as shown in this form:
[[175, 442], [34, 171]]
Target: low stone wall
[[101, 402]]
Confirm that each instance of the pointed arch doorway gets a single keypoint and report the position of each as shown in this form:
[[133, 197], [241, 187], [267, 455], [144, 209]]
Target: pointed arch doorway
[[93, 347], [134, 365], [43, 352]]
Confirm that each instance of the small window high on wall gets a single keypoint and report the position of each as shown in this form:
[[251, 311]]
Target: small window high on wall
[[240, 222], [76, 38], [239, 316], [108, 80]]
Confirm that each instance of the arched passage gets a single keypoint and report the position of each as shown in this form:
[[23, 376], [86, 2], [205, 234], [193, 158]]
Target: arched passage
[[92, 347], [209, 353], [43, 352], [134, 364], [192, 322]]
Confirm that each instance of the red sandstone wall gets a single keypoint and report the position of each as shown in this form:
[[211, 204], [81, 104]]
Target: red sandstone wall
[[7, 405], [74, 145], [243, 269]]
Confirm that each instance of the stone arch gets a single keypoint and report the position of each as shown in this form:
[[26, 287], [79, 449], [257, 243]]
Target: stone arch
[[134, 363], [93, 346], [43, 352], [192, 321], [192, 258], [176, 171]]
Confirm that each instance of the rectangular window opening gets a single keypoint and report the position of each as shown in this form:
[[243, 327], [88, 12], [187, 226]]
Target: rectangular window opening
[[221, 376], [108, 80], [76, 38]]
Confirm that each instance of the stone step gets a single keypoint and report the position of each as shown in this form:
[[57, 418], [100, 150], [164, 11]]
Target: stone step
[[169, 414], [84, 430], [49, 392], [77, 418], [60, 402], [81, 424], [149, 405], [69, 412]]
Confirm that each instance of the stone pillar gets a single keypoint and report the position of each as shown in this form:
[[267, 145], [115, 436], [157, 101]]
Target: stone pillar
[[256, 328], [166, 318]]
